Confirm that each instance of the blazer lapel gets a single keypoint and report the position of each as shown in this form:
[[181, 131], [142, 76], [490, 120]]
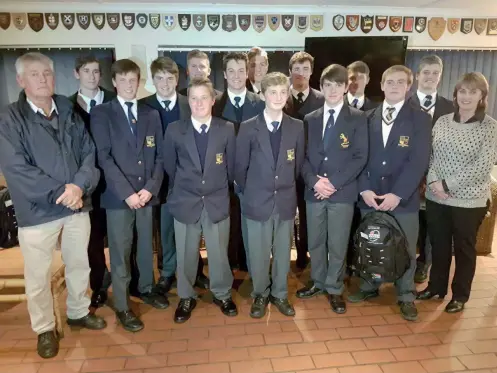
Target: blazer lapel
[[377, 125], [141, 128], [190, 144], [122, 119], [316, 128], [285, 150], [184, 108], [263, 138]]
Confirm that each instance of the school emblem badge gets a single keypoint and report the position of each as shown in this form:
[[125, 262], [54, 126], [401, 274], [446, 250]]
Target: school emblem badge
[[344, 141], [259, 23], [52, 20], [219, 158], [290, 154], [4, 20], [150, 141], [184, 21], [480, 25], [492, 26], [436, 27], [338, 22], [453, 25], [169, 21], [316, 22], [229, 22], [466, 25], [154, 19], [395, 23], [98, 20], [366, 24], [20, 20], [302, 23], [274, 21], [381, 22], [35, 21], [142, 20], [83, 20], [408, 24], [420, 24], [213, 20], [128, 20], [403, 141], [244, 22], [199, 21], [68, 20], [287, 21], [352, 22], [113, 20]]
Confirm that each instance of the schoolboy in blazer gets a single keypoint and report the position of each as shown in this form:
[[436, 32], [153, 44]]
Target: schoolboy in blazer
[[128, 137], [90, 94], [171, 107], [337, 150], [302, 100], [197, 66], [399, 152], [236, 105], [258, 65], [358, 76], [269, 154], [426, 97], [199, 156]]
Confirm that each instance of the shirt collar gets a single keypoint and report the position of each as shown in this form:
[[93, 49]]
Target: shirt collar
[[197, 124], [422, 96], [99, 98], [269, 120], [256, 90], [232, 96], [36, 109], [351, 97], [336, 108], [172, 99], [122, 101], [478, 117], [295, 92]]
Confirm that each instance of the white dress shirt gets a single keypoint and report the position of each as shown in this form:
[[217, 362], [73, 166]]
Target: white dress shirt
[[99, 99], [256, 90], [295, 93], [197, 124], [326, 114], [385, 129], [360, 100], [134, 108], [36, 109], [232, 96], [161, 100], [422, 98], [269, 121]]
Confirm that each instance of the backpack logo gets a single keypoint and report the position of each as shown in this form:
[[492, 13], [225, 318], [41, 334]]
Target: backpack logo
[[374, 236]]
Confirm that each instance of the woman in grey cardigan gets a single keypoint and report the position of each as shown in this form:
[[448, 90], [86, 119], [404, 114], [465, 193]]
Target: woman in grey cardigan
[[458, 188]]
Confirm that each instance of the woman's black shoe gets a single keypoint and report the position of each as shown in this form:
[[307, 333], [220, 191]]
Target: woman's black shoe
[[454, 306], [428, 294]]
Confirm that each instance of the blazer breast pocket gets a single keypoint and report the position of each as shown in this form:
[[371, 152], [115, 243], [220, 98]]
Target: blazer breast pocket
[[290, 155]]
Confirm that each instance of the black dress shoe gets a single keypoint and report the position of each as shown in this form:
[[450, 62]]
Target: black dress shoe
[[309, 292], [421, 274], [202, 282], [428, 294], [48, 345], [454, 306], [283, 305], [129, 321], [90, 321], [155, 299], [165, 284], [408, 311], [184, 310], [337, 303], [259, 306], [227, 306]]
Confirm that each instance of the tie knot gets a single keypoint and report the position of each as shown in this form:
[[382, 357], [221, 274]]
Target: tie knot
[[167, 103], [275, 125], [203, 127], [92, 103], [129, 104], [237, 99], [331, 111], [390, 110], [300, 95], [355, 101], [428, 97]]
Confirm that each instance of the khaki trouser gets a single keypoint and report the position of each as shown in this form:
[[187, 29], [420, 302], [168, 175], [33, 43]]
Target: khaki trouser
[[37, 245]]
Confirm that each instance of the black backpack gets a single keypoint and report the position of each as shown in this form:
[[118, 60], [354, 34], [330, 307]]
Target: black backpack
[[8, 221], [380, 248]]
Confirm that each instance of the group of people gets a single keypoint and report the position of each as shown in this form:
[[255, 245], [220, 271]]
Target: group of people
[[235, 166]]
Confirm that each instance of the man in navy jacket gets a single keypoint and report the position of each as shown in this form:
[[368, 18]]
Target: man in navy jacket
[[199, 156], [270, 149], [128, 137], [399, 152], [337, 150]]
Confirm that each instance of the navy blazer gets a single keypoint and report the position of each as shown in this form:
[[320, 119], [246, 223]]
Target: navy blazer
[[343, 160], [129, 164], [399, 167], [367, 106], [442, 106], [182, 101], [314, 101], [252, 107], [193, 189], [263, 184]]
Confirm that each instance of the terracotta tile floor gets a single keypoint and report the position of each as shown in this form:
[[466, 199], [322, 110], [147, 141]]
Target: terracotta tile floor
[[369, 338]]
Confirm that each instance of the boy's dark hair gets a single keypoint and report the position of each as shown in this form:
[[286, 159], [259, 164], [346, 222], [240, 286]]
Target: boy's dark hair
[[301, 57], [84, 60], [201, 82], [431, 59], [164, 64], [237, 56], [124, 66], [358, 67], [335, 73]]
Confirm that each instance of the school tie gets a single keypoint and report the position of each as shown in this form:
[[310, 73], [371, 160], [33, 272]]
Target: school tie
[[131, 118], [203, 128], [389, 115], [300, 98], [237, 102], [166, 105], [354, 102], [327, 131], [93, 103], [275, 125], [428, 101]]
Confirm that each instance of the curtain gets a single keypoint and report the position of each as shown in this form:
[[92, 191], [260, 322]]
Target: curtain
[[456, 63]]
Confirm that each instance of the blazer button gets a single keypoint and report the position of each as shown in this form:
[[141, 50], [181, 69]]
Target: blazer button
[[275, 192], [203, 181], [325, 158], [382, 178], [139, 178], [325, 174], [384, 163], [276, 177], [139, 162]]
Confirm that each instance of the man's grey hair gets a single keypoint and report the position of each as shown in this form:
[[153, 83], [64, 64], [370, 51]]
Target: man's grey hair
[[32, 57]]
